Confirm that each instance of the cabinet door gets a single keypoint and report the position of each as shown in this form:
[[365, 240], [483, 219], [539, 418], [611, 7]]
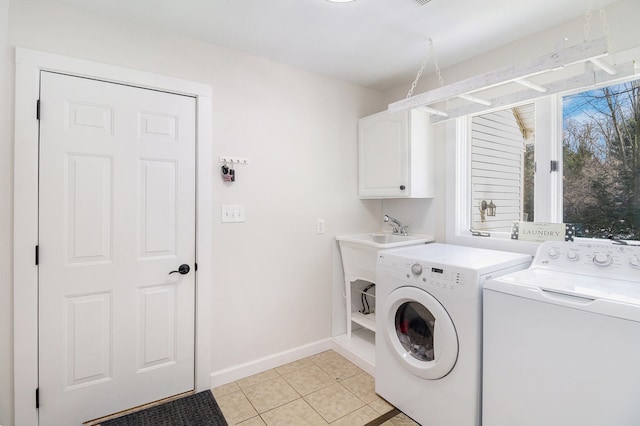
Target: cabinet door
[[383, 156]]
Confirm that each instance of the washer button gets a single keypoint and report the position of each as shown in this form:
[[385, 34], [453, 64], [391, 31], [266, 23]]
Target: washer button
[[416, 269], [602, 259], [572, 255]]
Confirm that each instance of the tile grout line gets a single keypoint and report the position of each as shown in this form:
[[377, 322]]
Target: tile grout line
[[351, 412], [302, 397], [338, 382], [317, 362]]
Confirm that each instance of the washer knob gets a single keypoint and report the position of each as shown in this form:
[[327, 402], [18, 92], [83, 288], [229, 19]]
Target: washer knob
[[553, 253], [416, 269], [572, 255], [635, 262], [602, 259]]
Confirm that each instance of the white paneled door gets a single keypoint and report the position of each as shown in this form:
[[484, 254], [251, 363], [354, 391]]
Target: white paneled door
[[117, 215]]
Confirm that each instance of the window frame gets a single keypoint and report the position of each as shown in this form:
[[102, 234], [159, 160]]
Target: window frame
[[547, 187]]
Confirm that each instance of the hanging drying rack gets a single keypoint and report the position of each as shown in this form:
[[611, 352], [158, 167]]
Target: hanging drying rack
[[590, 53]]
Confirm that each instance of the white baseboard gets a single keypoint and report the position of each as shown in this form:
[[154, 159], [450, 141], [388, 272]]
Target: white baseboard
[[361, 353], [231, 374]]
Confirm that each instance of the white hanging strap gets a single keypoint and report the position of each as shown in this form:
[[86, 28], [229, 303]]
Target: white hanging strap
[[605, 24], [606, 67], [587, 23], [603, 18]]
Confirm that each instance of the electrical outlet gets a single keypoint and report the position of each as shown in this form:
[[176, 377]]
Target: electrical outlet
[[320, 226], [233, 213]]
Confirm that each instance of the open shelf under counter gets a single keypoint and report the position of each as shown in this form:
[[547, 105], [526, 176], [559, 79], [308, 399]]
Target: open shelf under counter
[[360, 349], [359, 253], [367, 321]]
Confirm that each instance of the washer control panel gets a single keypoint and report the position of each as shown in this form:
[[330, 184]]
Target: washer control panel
[[592, 257], [429, 274]]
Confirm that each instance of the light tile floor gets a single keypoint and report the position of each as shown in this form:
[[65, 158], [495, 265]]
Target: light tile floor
[[323, 389]]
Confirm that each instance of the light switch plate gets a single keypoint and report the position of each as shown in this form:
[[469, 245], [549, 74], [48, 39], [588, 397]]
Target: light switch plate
[[233, 213]]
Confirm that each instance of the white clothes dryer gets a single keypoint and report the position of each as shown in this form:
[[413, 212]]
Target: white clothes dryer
[[428, 329], [562, 338]]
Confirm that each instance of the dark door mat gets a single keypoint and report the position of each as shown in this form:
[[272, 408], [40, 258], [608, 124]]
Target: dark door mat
[[200, 409]]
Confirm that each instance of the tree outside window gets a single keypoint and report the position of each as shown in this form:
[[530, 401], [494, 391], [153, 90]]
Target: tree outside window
[[601, 161]]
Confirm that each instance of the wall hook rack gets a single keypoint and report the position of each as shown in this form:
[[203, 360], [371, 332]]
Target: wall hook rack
[[234, 160]]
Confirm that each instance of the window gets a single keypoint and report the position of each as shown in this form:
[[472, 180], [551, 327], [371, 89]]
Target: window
[[572, 158], [601, 157]]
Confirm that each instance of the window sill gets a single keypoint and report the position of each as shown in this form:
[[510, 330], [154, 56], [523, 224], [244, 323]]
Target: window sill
[[495, 243]]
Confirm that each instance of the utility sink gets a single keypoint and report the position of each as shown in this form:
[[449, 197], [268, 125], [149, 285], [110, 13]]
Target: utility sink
[[385, 240]]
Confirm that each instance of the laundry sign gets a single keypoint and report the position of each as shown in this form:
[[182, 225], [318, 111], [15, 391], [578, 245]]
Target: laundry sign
[[542, 231]]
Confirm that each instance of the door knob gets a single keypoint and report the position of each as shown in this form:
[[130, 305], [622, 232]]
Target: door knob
[[182, 270]]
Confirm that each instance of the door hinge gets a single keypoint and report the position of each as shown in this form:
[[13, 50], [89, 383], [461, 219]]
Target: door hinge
[[37, 397], [554, 166], [38, 109], [37, 255]]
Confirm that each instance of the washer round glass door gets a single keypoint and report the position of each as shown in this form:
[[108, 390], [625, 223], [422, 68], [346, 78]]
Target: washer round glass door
[[420, 333]]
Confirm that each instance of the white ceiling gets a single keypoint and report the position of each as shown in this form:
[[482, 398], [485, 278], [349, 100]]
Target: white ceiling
[[378, 44]]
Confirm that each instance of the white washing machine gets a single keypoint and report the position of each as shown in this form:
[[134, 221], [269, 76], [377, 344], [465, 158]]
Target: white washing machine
[[562, 338], [428, 329]]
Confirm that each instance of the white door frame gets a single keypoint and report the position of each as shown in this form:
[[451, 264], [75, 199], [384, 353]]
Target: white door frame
[[29, 63]]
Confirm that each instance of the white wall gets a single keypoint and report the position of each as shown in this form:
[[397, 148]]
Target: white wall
[[273, 273]]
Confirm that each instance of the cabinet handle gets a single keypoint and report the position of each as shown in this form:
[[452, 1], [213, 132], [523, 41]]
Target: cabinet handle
[[402, 187]]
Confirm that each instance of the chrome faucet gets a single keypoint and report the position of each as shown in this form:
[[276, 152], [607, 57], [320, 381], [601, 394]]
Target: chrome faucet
[[398, 229]]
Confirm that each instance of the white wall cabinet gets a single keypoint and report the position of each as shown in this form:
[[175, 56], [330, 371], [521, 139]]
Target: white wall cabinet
[[395, 155]]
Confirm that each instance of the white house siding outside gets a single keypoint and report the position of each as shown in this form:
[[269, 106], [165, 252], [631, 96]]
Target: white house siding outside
[[497, 154]]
